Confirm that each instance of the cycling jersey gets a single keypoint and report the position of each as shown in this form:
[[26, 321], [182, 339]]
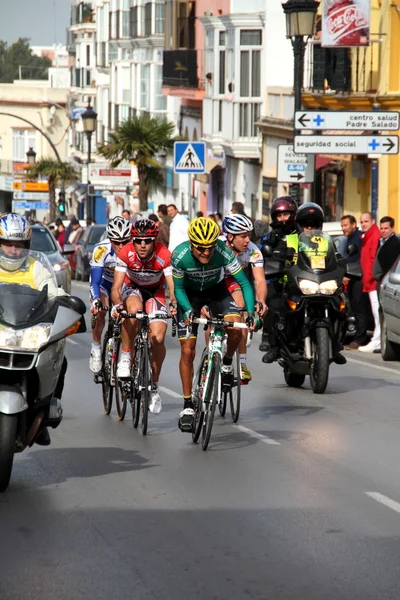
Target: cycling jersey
[[193, 275], [103, 263], [251, 256], [149, 273]]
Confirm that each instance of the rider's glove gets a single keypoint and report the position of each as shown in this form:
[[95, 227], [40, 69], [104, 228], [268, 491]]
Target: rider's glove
[[95, 306], [116, 309], [250, 321], [188, 315]]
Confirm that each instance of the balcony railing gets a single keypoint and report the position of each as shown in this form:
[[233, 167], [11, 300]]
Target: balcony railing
[[345, 71], [180, 68]]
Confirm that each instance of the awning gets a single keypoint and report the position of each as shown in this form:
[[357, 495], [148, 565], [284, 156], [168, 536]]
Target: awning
[[71, 188], [212, 163], [80, 192]]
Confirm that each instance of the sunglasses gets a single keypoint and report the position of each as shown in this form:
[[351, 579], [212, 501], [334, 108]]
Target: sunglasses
[[118, 243], [203, 249], [140, 241]]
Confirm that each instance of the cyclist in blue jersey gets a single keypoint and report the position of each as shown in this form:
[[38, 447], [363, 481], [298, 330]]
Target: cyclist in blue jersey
[[103, 263]]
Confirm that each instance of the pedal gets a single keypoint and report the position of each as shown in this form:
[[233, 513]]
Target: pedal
[[98, 378]]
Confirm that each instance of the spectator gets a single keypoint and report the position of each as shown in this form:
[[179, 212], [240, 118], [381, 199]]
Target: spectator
[[238, 208], [178, 228], [162, 212], [163, 236], [369, 248], [388, 251], [60, 233], [218, 218], [359, 302], [199, 214], [132, 218], [69, 228], [76, 231], [212, 216]]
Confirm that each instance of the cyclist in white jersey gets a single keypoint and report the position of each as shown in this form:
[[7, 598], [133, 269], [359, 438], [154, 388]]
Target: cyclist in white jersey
[[236, 233], [103, 263]]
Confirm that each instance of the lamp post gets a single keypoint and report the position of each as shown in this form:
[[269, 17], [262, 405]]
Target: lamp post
[[300, 21], [89, 126], [31, 156]]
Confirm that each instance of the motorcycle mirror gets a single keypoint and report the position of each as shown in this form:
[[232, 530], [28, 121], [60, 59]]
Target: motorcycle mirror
[[77, 304], [352, 250], [267, 251]]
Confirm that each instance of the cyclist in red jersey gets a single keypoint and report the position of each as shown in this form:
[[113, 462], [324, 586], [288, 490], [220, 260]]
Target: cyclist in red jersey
[[143, 268]]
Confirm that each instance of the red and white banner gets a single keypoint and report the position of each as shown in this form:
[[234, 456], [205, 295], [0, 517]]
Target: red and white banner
[[345, 23]]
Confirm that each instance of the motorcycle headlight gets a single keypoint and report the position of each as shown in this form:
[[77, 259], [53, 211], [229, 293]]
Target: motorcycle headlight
[[328, 287], [31, 338], [308, 287]]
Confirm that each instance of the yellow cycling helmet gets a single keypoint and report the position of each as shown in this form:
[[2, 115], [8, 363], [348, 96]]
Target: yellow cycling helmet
[[203, 232]]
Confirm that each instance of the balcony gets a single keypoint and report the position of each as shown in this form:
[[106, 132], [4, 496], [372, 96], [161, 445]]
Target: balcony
[[183, 74], [341, 78]]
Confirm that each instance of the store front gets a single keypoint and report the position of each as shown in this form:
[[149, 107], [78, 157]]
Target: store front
[[329, 187]]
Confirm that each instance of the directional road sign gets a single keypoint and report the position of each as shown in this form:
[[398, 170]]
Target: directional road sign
[[31, 186], [294, 168], [356, 120], [22, 205], [347, 144], [189, 157], [31, 196]]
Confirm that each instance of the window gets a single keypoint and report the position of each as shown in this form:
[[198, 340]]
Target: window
[[248, 116], [220, 115], [160, 17], [134, 22], [147, 18], [222, 72], [43, 241], [222, 36], [123, 113], [250, 73], [160, 101], [112, 52], [250, 37], [144, 86], [244, 73], [23, 139], [125, 23], [88, 56]]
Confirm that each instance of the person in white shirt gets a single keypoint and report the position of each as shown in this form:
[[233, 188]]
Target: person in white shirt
[[178, 228]]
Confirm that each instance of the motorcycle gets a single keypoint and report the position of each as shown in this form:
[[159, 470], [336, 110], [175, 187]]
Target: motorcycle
[[34, 325], [316, 318]]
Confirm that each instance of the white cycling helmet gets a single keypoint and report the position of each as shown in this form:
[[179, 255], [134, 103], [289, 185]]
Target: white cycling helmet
[[119, 229], [14, 228], [236, 224]]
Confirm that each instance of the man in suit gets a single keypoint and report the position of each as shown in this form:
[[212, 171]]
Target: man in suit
[[388, 250]]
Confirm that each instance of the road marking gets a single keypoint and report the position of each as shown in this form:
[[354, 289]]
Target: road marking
[[384, 500], [170, 392], [72, 342], [364, 363], [258, 436]]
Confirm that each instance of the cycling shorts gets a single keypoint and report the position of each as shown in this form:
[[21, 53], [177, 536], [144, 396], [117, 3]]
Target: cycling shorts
[[105, 287], [153, 299], [218, 300], [232, 285]]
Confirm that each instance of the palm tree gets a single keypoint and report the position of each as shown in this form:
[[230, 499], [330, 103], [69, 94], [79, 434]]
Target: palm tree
[[138, 140], [57, 173]]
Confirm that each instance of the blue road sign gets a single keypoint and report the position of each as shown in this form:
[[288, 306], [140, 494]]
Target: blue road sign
[[22, 205], [189, 157]]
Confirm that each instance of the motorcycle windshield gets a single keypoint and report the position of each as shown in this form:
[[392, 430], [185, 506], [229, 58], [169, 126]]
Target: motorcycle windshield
[[316, 251], [28, 286]]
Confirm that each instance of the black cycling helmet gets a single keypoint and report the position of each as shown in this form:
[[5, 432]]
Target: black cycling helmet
[[310, 215], [284, 204]]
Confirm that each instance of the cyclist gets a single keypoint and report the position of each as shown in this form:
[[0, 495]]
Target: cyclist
[[143, 267], [197, 268], [237, 229], [103, 263]]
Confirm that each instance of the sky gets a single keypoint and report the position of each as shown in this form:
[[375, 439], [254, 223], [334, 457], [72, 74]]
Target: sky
[[43, 21]]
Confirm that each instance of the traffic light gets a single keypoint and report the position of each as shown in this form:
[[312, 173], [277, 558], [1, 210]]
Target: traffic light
[[61, 202]]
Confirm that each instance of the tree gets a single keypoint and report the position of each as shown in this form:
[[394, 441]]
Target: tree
[[138, 140], [20, 54], [57, 173]]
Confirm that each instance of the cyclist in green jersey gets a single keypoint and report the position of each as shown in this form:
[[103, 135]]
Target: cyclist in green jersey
[[198, 268]]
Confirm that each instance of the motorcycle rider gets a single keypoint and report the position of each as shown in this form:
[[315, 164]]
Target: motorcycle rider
[[17, 266]]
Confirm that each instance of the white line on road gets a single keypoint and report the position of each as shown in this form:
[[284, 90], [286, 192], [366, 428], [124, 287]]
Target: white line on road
[[384, 500], [72, 342], [258, 436], [170, 392], [364, 363]]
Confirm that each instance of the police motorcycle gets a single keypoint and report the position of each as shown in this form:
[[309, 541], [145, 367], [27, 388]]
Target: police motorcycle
[[316, 317], [34, 324]]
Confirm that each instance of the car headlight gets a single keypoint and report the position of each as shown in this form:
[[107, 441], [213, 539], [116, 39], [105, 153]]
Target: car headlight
[[61, 266], [31, 338], [328, 287], [308, 287]]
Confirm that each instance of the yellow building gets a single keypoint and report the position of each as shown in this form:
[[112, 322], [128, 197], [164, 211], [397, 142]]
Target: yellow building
[[357, 79]]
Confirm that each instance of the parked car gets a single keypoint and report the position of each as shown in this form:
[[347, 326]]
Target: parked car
[[44, 241], [87, 242], [389, 297]]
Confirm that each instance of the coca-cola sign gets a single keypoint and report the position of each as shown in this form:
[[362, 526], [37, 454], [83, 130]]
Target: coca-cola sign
[[345, 23]]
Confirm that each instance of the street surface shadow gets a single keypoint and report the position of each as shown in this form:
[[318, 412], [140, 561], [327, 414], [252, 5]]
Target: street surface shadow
[[265, 412], [349, 383], [60, 464], [234, 440]]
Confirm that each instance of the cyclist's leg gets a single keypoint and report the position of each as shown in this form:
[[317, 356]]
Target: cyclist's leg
[[95, 353], [245, 374], [132, 301], [226, 306], [158, 327], [188, 353]]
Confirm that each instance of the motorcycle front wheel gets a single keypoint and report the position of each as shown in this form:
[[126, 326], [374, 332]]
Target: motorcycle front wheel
[[8, 433], [319, 371]]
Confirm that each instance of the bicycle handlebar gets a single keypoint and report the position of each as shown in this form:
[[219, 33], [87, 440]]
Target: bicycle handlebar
[[234, 324]]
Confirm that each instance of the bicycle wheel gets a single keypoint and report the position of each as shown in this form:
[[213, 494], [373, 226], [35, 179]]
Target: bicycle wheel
[[211, 400], [223, 403], [235, 391], [197, 395], [145, 391], [120, 395], [107, 390], [135, 388]]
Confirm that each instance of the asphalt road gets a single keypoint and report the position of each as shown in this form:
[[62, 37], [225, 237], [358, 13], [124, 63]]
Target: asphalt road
[[300, 501]]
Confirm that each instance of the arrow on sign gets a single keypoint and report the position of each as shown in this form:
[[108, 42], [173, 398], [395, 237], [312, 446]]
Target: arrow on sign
[[302, 120], [297, 176], [389, 146]]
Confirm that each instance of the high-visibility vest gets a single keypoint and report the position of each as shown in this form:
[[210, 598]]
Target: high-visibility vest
[[21, 277]]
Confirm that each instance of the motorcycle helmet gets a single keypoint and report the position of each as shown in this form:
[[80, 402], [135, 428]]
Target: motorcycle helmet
[[14, 228], [144, 229], [310, 215], [284, 204], [119, 230], [236, 224], [203, 232]]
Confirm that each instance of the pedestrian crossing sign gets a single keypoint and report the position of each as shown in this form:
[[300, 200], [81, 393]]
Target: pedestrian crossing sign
[[189, 157]]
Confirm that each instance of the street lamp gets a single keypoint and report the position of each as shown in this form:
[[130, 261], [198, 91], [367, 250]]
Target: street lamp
[[300, 21], [89, 126], [31, 156]]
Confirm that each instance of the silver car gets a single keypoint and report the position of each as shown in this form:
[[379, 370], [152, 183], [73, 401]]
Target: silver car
[[390, 313], [44, 241]]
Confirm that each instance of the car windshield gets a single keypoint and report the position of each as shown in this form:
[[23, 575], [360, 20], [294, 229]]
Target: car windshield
[[43, 241], [316, 251], [95, 235]]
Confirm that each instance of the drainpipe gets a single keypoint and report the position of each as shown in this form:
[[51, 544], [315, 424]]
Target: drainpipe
[[374, 178]]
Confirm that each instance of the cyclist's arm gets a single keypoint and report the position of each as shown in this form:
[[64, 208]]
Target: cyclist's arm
[[96, 274], [260, 284], [179, 290], [247, 290]]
